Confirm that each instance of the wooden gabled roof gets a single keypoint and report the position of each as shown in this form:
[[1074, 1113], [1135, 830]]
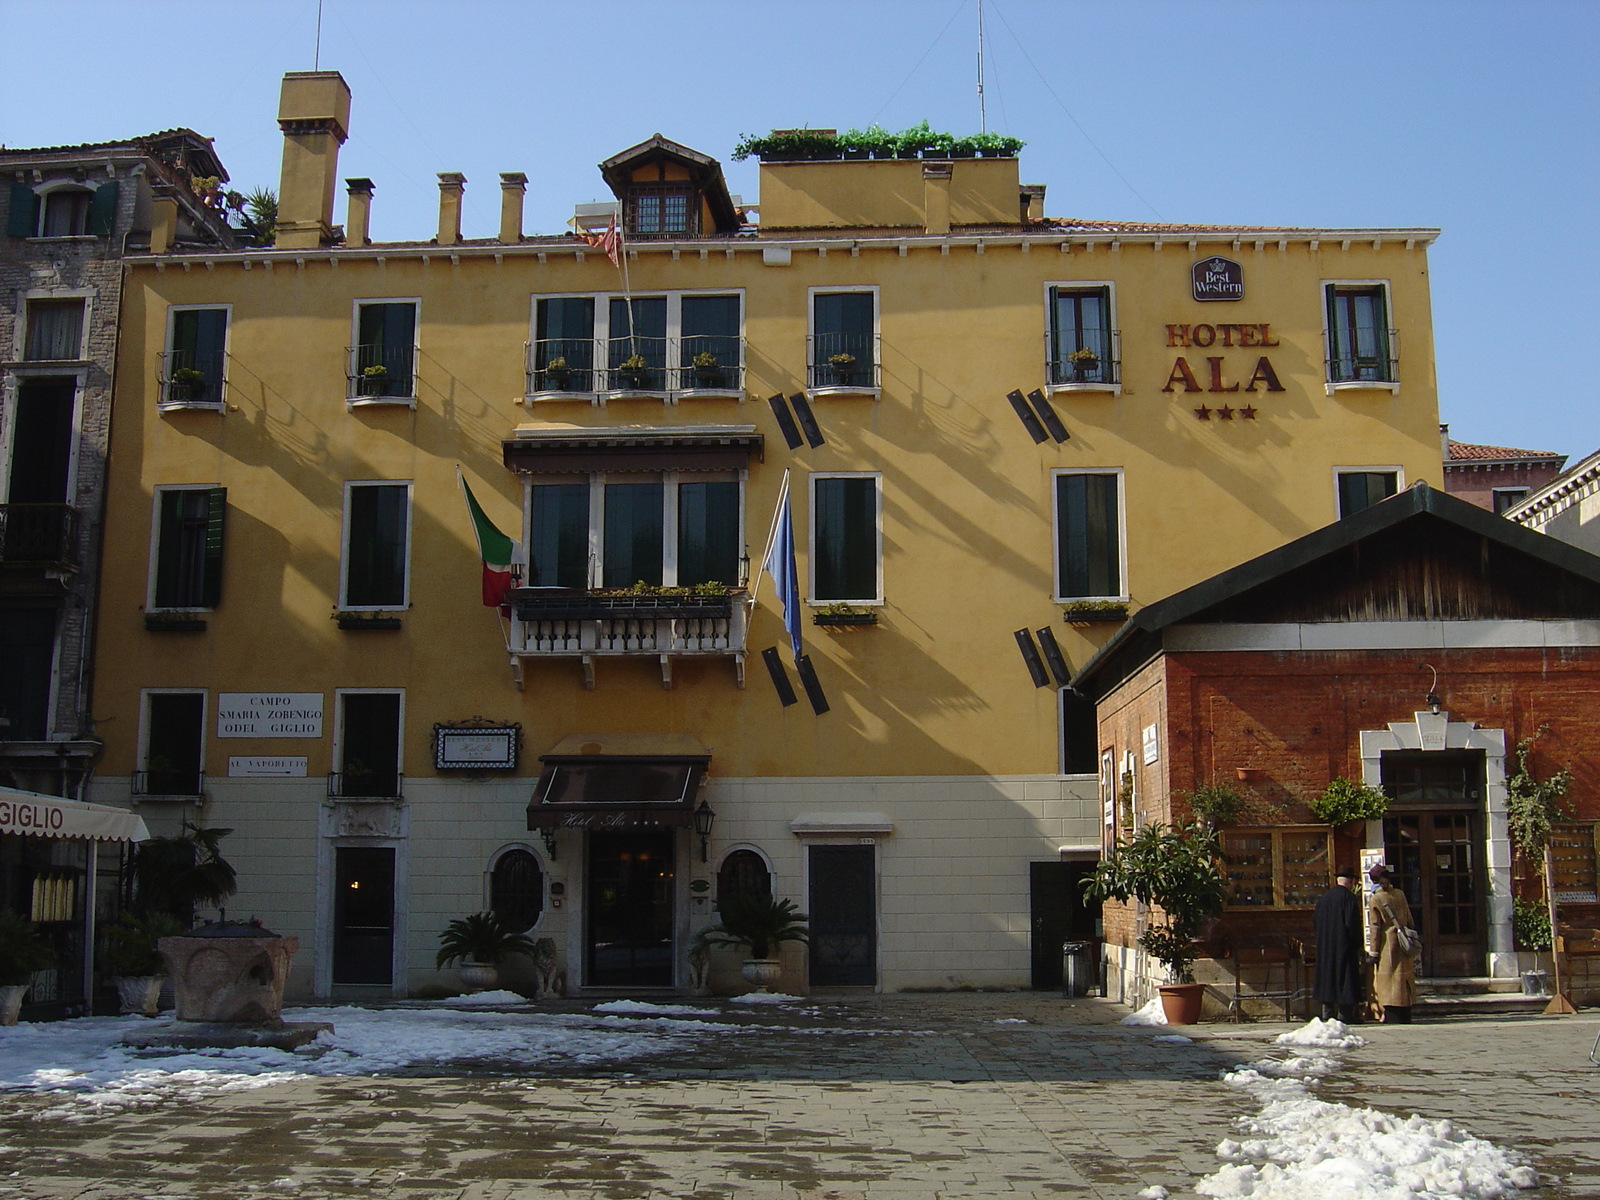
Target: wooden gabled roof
[[1422, 555], [704, 171]]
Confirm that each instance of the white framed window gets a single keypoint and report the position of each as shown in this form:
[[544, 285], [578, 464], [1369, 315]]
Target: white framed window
[[1362, 346], [194, 366], [589, 346], [843, 346], [54, 329], [375, 564], [1083, 347], [847, 537], [1356, 488], [1090, 535], [1505, 498], [186, 542], [172, 742], [368, 742], [617, 528], [382, 359], [62, 208]]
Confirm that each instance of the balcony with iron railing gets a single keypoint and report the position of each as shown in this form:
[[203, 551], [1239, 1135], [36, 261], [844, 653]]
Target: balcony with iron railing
[[1362, 356], [665, 368], [190, 379], [381, 374], [169, 783], [362, 783], [1073, 366], [589, 624], [39, 535], [843, 363]]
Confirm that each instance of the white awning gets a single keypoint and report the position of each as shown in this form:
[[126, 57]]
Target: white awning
[[53, 817]]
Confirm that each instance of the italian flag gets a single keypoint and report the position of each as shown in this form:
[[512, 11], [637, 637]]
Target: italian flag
[[497, 550]]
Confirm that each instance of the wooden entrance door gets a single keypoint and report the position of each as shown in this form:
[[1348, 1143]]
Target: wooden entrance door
[[1433, 842]]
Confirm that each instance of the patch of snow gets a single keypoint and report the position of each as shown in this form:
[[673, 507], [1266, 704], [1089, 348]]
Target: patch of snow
[[500, 996], [642, 1006], [765, 998], [1010, 1021], [1177, 1039], [1333, 1035], [1154, 1192], [1151, 1014]]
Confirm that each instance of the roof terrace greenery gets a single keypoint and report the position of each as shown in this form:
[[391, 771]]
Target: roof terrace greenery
[[919, 141]]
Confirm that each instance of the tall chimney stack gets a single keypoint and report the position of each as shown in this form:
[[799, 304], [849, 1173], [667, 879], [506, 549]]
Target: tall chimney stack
[[358, 213], [314, 114], [513, 185], [451, 185]]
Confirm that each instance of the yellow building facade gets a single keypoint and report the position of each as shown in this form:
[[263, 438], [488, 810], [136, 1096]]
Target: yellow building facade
[[293, 639]]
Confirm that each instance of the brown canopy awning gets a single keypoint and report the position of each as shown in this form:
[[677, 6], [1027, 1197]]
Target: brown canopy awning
[[616, 780], [544, 448]]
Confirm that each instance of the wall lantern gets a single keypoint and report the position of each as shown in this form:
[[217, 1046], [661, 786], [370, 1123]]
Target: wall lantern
[[703, 818], [1433, 688]]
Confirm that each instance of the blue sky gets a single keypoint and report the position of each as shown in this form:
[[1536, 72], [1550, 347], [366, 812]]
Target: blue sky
[[1478, 118]]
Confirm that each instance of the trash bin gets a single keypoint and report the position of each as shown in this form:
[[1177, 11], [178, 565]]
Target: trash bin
[[1533, 983], [1078, 972]]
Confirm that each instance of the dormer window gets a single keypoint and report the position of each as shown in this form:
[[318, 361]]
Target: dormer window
[[662, 210]]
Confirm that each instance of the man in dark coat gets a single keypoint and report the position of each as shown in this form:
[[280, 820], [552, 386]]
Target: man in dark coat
[[1340, 950]]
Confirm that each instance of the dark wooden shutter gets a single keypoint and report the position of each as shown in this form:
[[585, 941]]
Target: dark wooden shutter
[[103, 208], [216, 510], [24, 218]]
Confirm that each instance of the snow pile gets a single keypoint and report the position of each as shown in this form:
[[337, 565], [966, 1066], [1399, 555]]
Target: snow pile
[[1331, 1035], [1154, 1192], [1010, 1021], [1151, 1014], [660, 1010], [1176, 1039], [500, 996], [1309, 1147], [765, 998]]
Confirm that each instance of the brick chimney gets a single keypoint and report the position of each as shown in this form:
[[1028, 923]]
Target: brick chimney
[[314, 114]]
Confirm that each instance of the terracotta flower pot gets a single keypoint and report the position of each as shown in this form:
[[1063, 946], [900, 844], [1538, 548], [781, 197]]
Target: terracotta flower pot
[[1181, 1002], [760, 972]]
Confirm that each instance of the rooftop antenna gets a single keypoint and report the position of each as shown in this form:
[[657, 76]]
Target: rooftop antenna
[[316, 54], [983, 117]]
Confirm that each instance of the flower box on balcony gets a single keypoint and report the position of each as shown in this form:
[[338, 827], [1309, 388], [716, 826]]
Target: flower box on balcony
[[366, 621], [1095, 610], [173, 623], [845, 618], [576, 604]]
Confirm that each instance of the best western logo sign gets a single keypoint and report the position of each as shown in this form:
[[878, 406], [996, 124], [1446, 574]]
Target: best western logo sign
[[1217, 279]]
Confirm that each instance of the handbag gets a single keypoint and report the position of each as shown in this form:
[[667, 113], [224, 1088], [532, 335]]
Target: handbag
[[1408, 939]]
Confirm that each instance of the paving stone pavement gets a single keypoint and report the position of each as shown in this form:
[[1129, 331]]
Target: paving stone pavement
[[860, 1098]]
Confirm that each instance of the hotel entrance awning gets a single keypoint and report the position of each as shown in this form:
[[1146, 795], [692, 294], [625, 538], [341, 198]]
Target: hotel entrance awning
[[53, 817], [616, 780]]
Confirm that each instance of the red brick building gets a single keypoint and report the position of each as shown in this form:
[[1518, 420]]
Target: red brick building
[[1496, 477], [1410, 646]]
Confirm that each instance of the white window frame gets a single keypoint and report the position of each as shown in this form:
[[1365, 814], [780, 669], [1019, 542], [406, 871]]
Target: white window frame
[[602, 338], [344, 545], [1391, 331], [873, 390], [1122, 595], [15, 377], [875, 601], [44, 191], [155, 543], [337, 747], [167, 347], [143, 759], [668, 480], [25, 299], [354, 402], [1399, 480], [1050, 289]]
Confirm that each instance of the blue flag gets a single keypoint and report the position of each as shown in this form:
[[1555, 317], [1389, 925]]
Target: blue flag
[[780, 565]]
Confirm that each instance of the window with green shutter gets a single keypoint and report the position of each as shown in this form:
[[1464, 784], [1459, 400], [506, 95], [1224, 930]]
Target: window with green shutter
[[103, 209], [845, 547], [385, 352], [1088, 535], [196, 357], [188, 549], [23, 218], [377, 533]]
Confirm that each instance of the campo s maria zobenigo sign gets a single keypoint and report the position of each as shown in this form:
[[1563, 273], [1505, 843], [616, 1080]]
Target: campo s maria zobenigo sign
[[269, 714]]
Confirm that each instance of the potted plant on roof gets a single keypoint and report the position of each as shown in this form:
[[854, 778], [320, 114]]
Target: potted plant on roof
[[1084, 363], [1172, 868], [635, 372], [762, 924], [480, 943], [844, 367], [22, 952], [707, 371], [136, 966]]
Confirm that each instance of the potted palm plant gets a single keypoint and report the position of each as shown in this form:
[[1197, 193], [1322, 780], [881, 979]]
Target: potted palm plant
[[762, 924], [22, 952], [480, 943], [1173, 868], [136, 966]]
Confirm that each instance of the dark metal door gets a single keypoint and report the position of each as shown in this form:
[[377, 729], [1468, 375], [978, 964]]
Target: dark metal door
[[1055, 904], [629, 906], [363, 915], [844, 917]]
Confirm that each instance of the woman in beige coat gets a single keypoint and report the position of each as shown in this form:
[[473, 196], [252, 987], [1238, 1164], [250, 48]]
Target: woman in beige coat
[[1394, 974]]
